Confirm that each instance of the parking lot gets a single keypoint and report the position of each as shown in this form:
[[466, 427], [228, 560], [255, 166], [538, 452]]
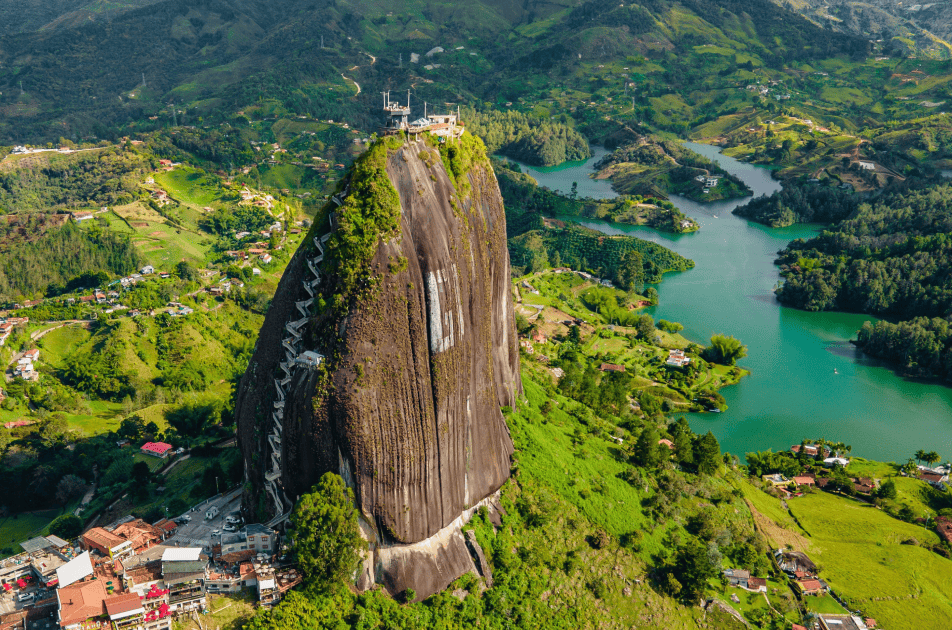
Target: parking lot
[[198, 532]]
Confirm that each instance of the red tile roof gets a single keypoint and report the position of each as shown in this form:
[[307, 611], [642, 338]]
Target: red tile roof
[[118, 604], [667, 443], [159, 448], [101, 539], [804, 481], [810, 585], [611, 367], [755, 582], [81, 601]]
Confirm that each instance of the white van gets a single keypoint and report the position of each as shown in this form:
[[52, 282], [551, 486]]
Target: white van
[[25, 597]]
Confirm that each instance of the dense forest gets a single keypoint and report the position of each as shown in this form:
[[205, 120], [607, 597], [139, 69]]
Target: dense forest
[[60, 256], [44, 181], [921, 346], [628, 261], [810, 203], [526, 203], [891, 258], [537, 141]]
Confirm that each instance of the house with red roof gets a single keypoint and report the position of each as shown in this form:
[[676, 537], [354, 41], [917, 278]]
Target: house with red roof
[[157, 449], [810, 587], [80, 602], [804, 481], [107, 543]]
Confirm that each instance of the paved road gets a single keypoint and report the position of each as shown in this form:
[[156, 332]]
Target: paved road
[[198, 532]]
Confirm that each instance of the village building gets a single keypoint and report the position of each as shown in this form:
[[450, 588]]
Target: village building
[[184, 571], [677, 358], [147, 270], [775, 479], [737, 577], [810, 586], [794, 562], [756, 584], [156, 449], [810, 449], [254, 537], [805, 481], [611, 367], [106, 543], [829, 462], [841, 622]]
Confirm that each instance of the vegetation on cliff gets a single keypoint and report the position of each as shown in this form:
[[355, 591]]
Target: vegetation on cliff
[[370, 212]]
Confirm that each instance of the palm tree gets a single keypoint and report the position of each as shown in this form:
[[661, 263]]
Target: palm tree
[[932, 457], [920, 455]]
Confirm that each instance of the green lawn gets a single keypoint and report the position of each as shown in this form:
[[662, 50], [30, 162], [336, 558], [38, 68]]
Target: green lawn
[[824, 604], [227, 612], [860, 552], [23, 526]]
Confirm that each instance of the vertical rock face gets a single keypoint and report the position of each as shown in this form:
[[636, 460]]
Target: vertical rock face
[[406, 405]]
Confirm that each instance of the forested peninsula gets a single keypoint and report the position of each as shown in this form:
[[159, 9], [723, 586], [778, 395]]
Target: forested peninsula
[[891, 259]]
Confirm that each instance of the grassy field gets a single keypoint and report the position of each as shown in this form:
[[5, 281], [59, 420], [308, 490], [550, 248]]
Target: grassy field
[[23, 526], [226, 612], [868, 557]]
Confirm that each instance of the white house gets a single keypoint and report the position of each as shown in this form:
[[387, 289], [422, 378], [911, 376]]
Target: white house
[[147, 270]]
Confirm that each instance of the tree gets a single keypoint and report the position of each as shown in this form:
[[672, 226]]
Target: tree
[[645, 327], [707, 454], [186, 271], [683, 448], [646, 448], [326, 537], [725, 350], [141, 473], [692, 569], [932, 457], [887, 490], [920, 455], [69, 486], [67, 526], [55, 430]]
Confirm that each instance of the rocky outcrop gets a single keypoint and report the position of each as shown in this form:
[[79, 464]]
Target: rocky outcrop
[[420, 353]]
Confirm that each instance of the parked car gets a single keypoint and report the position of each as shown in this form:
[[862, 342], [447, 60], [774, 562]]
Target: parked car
[[232, 520], [25, 597], [230, 528], [216, 532]]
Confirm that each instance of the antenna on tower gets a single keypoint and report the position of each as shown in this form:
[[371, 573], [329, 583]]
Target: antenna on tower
[[21, 88], [401, 60], [322, 42], [424, 109], [408, 99], [143, 79]]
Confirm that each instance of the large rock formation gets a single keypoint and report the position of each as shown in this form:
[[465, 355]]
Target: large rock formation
[[413, 313]]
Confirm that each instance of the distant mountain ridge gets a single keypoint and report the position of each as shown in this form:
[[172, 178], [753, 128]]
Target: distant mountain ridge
[[222, 55], [905, 28], [24, 17]]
